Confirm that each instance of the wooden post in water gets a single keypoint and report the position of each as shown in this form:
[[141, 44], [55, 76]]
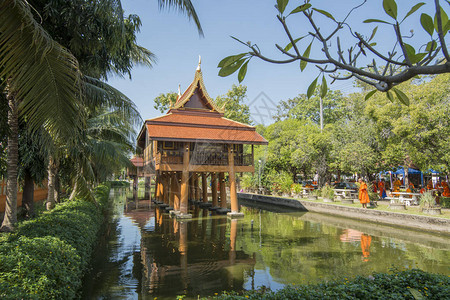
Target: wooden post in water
[[204, 188], [223, 190], [214, 189], [184, 184]]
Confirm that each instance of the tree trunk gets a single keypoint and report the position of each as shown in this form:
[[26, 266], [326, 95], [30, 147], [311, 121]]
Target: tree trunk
[[74, 191], [57, 185], [10, 217], [51, 183], [28, 195]]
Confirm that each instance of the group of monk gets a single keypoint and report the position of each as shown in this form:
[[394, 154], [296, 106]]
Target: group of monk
[[442, 187]]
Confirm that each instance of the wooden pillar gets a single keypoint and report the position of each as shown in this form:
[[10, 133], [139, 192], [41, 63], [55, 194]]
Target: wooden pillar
[[196, 187], [147, 187], [223, 190], [232, 178], [165, 187], [157, 186], [191, 188], [204, 188], [177, 199], [173, 189], [214, 189], [185, 180]]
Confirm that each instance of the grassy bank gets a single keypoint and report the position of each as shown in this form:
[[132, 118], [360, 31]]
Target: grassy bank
[[409, 284], [45, 258]]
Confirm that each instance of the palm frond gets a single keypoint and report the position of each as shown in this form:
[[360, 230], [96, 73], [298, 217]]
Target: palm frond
[[100, 94], [44, 75], [184, 6]]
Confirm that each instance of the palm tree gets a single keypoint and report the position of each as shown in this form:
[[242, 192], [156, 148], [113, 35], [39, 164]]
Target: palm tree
[[43, 81]]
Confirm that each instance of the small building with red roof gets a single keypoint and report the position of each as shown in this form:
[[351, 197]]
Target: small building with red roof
[[192, 142]]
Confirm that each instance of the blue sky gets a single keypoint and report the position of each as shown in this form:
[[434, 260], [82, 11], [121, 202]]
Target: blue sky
[[176, 43]]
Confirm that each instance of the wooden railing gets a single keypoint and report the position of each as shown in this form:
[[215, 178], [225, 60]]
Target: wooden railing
[[203, 158]]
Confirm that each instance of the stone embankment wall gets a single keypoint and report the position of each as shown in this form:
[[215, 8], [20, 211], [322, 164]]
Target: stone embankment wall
[[436, 224]]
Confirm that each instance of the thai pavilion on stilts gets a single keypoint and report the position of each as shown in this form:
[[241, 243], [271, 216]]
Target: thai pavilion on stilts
[[193, 147]]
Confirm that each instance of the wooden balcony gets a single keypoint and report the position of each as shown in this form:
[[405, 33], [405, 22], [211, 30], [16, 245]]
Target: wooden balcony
[[202, 161]]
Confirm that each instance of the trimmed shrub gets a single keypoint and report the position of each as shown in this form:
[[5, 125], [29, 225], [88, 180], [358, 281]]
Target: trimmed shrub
[[46, 257], [409, 284]]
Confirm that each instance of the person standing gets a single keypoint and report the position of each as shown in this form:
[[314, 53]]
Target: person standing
[[382, 188], [363, 193]]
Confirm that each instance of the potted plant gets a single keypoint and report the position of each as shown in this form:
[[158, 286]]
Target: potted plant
[[327, 193], [297, 190], [373, 197], [286, 183], [428, 204]]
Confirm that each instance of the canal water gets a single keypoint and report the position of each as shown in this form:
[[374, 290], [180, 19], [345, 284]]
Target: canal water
[[145, 254]]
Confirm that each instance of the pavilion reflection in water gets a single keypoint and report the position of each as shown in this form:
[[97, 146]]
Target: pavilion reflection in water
[[195, 257]]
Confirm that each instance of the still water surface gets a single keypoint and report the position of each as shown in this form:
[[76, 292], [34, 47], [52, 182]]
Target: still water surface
[[145, 254]]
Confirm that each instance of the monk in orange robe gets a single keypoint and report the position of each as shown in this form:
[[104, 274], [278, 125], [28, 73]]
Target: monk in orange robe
[[438, 186], [430, 185], [381, 187], [446, 192], [363, 194], [365, 246], [397, 185]]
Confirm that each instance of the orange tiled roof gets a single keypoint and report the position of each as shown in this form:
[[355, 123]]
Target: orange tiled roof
[[215, 119], [212, 134], [137, 161]]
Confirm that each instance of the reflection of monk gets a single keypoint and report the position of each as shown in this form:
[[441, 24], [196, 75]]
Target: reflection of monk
[[365, 246]]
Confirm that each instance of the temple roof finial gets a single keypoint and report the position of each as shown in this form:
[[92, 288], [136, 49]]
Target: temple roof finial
[[179, 90], [199, 63]]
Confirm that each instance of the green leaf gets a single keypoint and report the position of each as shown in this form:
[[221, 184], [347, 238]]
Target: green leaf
[[311, 88], [230, 59], [431, 46], [303, 63], [281, 5], [372, 44], [419, 57], [390, 7], [374, 31], [444, 19], [416, 294], [289, 46], [401, 96], [230, 69], [375, 21], [370, 94], [324, 88], [389, 96], [325, 13], [410, 51], [301, 8], [243, 71], [413, 9], [427, 23]]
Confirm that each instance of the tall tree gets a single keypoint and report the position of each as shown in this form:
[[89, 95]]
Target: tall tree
[[234, 104], [164, 101]]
